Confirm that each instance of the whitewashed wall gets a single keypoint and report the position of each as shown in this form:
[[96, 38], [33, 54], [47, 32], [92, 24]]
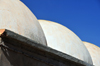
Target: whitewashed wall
[[15, 16], [62, 39], [94, 52]]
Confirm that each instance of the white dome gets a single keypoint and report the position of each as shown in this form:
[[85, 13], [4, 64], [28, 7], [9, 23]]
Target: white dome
[[94, 52], [64, 40], [15, 16]]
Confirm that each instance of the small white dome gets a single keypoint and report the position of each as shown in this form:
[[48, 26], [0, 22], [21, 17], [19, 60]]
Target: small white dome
[[94, 52], [62, 39], [15, 16]]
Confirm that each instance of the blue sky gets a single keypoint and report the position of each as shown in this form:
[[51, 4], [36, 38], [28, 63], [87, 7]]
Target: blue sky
[[80, 16]]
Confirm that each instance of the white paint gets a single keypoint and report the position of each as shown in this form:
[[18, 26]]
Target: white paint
[[94, 52], [62, 39], [15, 16]]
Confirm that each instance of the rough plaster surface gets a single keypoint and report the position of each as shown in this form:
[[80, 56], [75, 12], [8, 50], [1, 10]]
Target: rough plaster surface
[[15, 16], [94, 52], [62, 39]]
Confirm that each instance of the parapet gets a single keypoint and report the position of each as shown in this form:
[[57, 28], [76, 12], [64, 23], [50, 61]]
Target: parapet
[[17, 50]]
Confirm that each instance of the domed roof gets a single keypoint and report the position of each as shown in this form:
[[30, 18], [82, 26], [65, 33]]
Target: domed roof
[[94, 52], [62, 39], [15, 16]]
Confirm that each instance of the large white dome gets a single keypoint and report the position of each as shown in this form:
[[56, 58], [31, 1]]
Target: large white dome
[[15, 16], [62, 39], [94, 52]]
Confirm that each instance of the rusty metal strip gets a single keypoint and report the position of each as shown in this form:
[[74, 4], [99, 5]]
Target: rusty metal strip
[[2, 31]]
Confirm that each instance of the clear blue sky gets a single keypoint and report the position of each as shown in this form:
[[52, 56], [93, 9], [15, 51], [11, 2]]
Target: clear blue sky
[[81, 16]]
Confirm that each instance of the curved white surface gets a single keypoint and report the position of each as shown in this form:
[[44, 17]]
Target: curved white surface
[[15, 16], [64, 40], [94, 52]]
